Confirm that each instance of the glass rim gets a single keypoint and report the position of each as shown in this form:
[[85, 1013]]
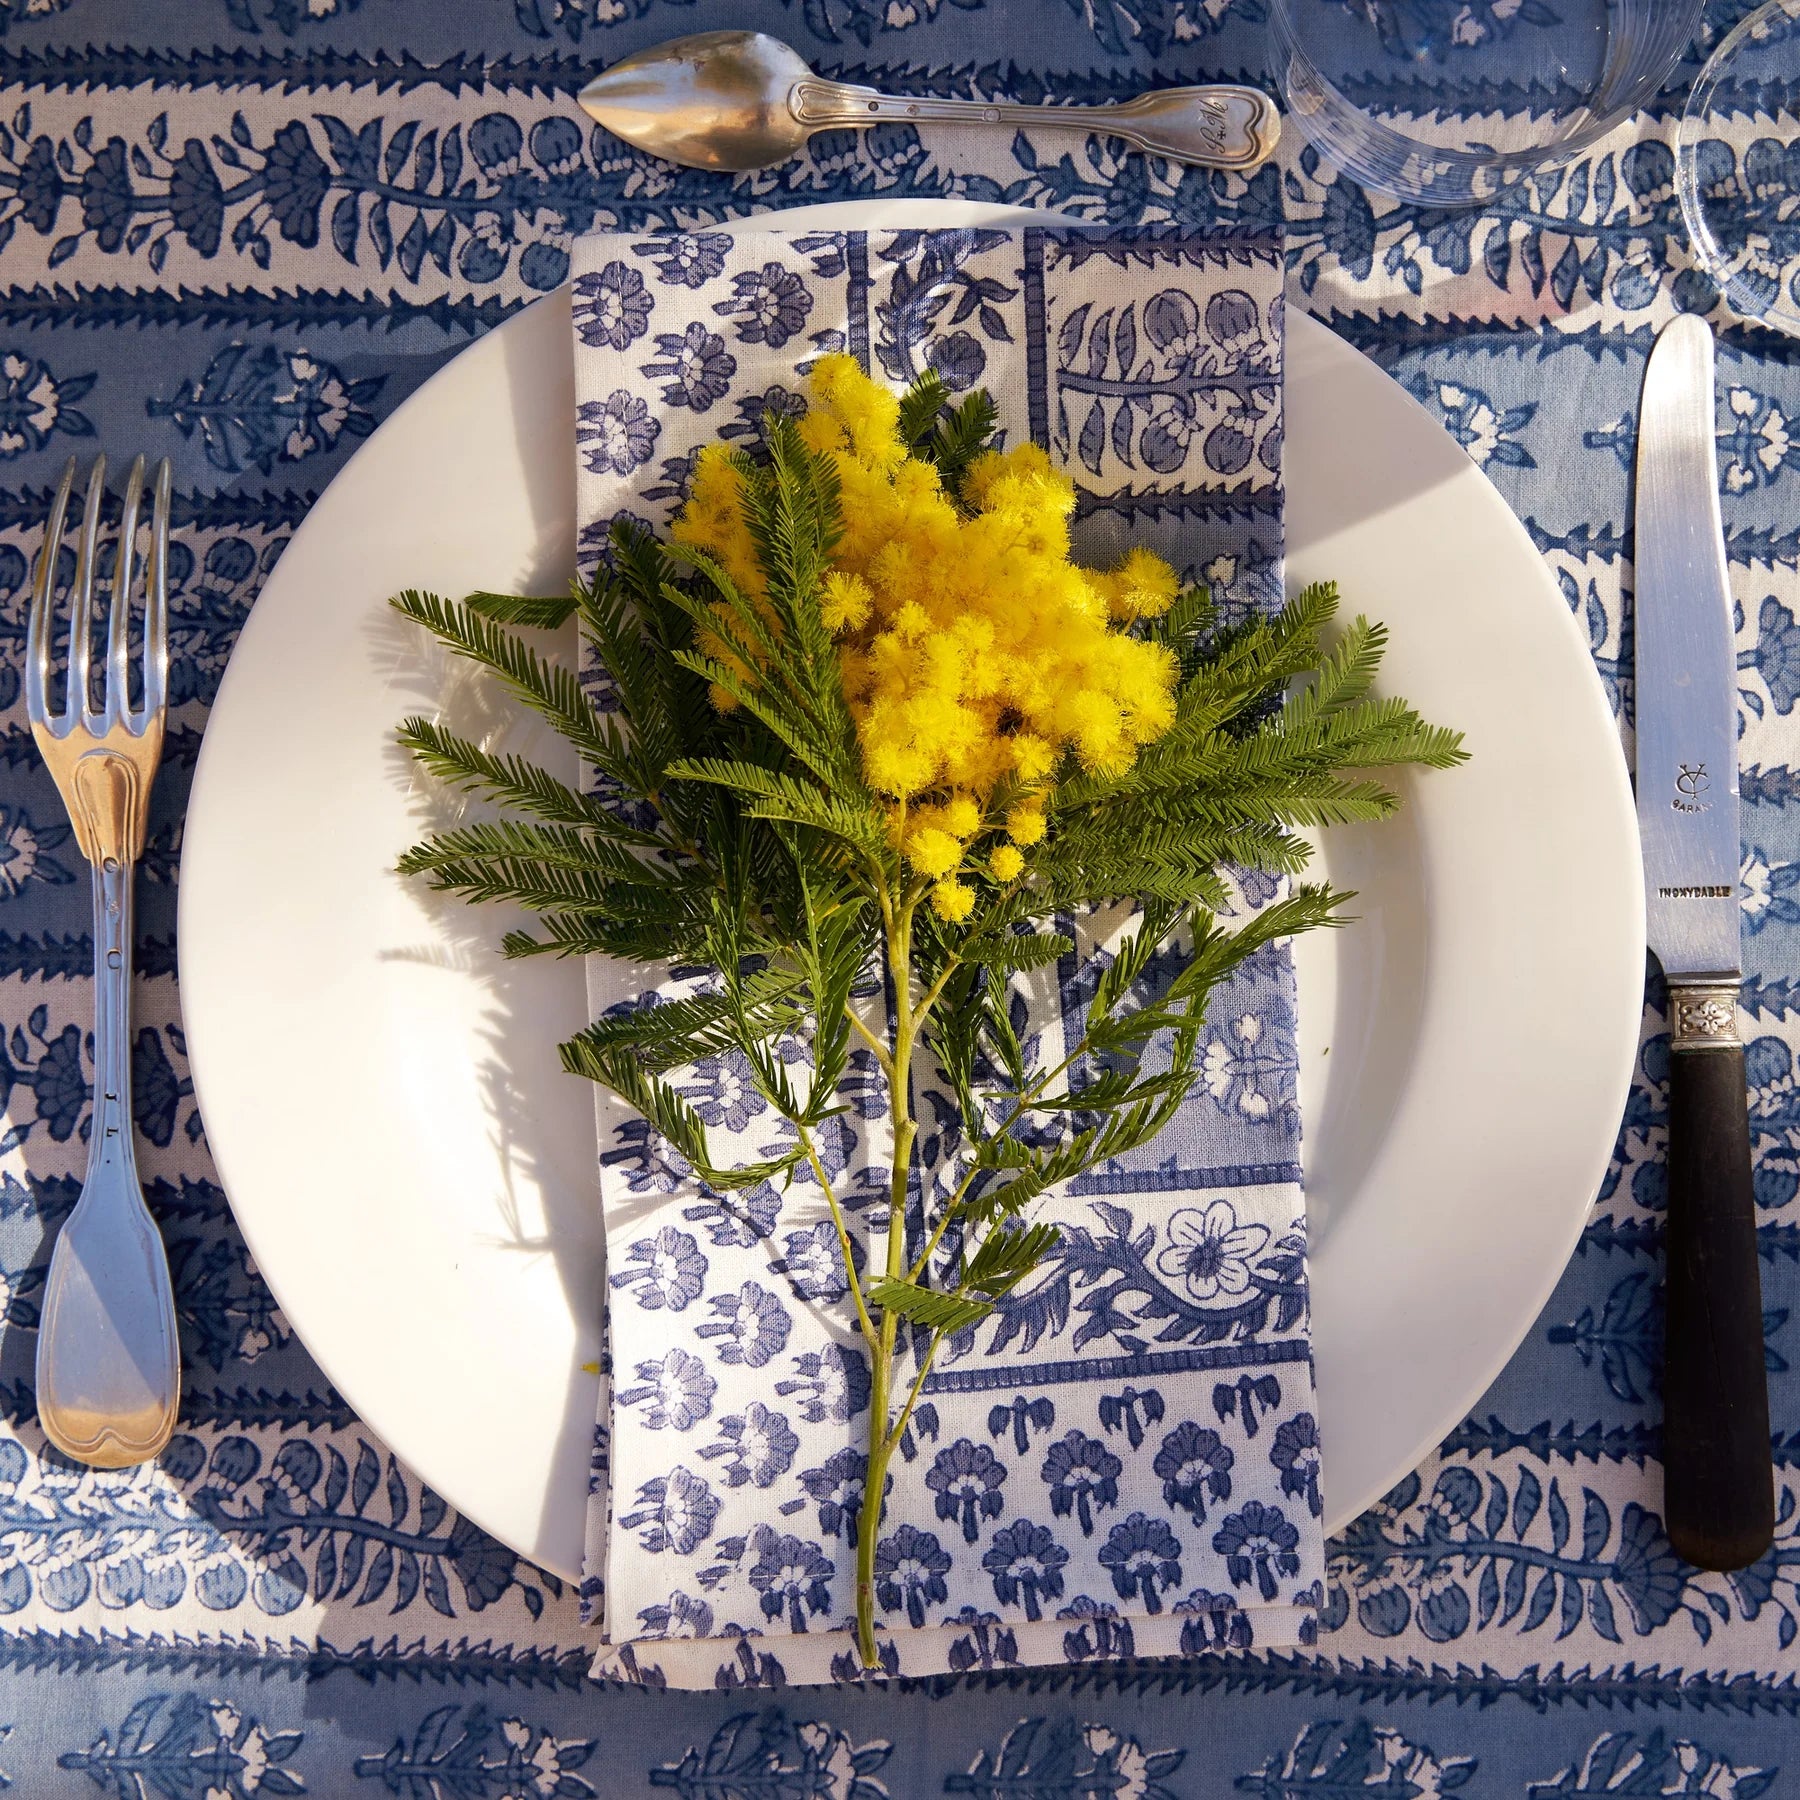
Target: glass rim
[[1721, 266], [1379, 154]]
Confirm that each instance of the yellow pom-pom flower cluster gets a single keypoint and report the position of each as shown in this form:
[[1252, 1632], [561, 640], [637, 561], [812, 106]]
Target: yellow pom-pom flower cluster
[[976, 653]]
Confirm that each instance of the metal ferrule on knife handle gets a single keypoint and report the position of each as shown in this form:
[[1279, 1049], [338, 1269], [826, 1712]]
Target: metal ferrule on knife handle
[[1703, 1015], [1719, 1490]]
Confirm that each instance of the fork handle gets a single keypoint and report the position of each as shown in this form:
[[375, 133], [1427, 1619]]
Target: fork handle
[[108, 1357]]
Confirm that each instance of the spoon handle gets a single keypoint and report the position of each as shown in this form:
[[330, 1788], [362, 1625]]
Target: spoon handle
[[1219, 127]]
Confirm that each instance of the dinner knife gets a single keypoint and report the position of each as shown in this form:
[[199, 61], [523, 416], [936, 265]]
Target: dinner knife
[[1719, 1495]]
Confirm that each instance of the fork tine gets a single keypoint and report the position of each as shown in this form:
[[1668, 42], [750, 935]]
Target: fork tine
[[118, 678], [81, 603], [156, 601], [43, 603]]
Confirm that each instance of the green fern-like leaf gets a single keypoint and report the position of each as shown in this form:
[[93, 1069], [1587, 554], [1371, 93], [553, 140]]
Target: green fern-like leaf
[[930, 1308], [1006, 1256], [539, 612], [510, 781], [1013, 954], [548, 688]]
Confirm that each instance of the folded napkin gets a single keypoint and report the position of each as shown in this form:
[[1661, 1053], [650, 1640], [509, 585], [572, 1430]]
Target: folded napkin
[[1123, 1460]]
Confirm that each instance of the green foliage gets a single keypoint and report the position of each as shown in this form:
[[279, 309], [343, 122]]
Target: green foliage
[[743, 839], [950, 435], [943, 1313], [539, 612]]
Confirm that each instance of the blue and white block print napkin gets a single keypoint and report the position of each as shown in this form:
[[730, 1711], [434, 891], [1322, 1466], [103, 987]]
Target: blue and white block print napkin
[[1123, 1460]]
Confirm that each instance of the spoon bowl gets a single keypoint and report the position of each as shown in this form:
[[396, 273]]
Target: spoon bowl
[[717, 100]]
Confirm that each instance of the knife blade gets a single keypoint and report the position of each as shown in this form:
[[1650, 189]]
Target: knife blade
[[1719, 1495]]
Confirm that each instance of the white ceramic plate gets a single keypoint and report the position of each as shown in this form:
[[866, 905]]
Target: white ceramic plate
[[415, 1175]]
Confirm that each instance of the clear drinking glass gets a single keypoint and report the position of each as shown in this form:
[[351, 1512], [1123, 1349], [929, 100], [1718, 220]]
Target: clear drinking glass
[[1443, 102], [1737, 167]]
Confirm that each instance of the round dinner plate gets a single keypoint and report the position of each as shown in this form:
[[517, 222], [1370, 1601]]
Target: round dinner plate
[[416, 1176]]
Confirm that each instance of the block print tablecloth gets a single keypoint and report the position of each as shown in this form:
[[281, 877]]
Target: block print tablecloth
[[241, 231]]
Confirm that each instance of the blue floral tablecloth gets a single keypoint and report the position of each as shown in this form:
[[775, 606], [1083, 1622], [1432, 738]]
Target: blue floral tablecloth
[[240, 232]]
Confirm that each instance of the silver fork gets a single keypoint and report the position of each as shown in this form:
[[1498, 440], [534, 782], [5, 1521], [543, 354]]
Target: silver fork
[[108, 1361]]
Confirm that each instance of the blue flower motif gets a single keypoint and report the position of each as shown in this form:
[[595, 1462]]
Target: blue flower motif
[[483, 256], [723, 1091], [24, 852], [675, 1511], [686, 258], [107, 200], [1209, 1252], [1258, 1544], [1777, 654], [1483, 430], [483, 1565], [753, 1323], [556, 146], [495, 142], [60, 1085], [1760, 443], [1026, 1563], [156, 1091], [1214, 1622], [1130, 1410], [683, 1616], [1647, 1572], [651, 1162], [985, 1642], [791, 1576], [196, 200], [753, 410], [814, 1262], [258, 404], [677, 1392], [612, 306], [959, 359], [1295, 1452], [1443, 1604], [295, 182], [1174, 419], [543, 265], [1233, 321], [1766, 892], [35, 405], [769, 305], [1100, 1634], [967, 1478], [737, 1220], [758, 1446], [1144, 1556], [1172, 325], [616, 434], [910, 1567], [1195, 1466], [1083, 1476], [834, 1384], [1249, 1064], [696, 365], [1227, 447], [40, 186], [838, 1490], [671, 1271]]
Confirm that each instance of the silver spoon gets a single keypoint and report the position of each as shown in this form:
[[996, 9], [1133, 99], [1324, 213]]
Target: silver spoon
[[744, 100]]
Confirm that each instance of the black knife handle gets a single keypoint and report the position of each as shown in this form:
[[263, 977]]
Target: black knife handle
[[1719, 1493]]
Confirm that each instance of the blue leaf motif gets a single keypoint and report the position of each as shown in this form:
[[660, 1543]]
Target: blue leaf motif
[[770, 1754]]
